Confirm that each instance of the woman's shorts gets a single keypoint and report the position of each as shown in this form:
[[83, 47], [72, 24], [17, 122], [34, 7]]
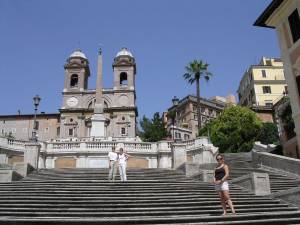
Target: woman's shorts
[[222, 187]]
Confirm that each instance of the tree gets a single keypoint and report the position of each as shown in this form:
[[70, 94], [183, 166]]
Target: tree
[[153, 129], [288, 122], [234, 130], [196, 70], [269, 134]]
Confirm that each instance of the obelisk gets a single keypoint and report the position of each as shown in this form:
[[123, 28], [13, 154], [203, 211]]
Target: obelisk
[[98, 119]]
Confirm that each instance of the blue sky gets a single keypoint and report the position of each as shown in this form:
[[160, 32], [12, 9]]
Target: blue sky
[[36, 37]]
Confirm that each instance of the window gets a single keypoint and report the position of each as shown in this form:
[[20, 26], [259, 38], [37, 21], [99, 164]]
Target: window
[[269, 103], [186, 137], [269, 62], [286, 90], [266, 89], [2, 131], [36, 125], [123, 118], [263, 73], [58, 131], [195, 117], [252, 93], [74, 80], [178, 135], [298, 84], [123, 79], [123, 131], [294, 22], [46, 129], [70, 132]]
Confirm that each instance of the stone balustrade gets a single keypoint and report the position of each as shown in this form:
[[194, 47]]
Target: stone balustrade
[[12, 144], [89, 152]]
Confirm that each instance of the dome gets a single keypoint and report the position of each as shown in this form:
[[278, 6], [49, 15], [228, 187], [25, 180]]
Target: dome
[[78, 53], [124, 52]]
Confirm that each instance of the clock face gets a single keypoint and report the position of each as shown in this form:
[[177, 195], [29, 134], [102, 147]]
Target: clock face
[[72, 102]]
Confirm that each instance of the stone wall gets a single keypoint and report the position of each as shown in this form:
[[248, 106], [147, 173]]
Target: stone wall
[[279, 162]]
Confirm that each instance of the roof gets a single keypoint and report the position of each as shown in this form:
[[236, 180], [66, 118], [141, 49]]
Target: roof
[[45, 115], [124, 52], [78, 53], [261, 20], [203, 101]]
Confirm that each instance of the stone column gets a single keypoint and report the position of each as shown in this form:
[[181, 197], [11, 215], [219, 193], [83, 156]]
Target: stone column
[[3, 159], [98, 119], [31, 154], [179, 154]]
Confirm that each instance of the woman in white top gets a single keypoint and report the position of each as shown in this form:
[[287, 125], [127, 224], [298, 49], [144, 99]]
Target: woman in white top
[[122, 158]]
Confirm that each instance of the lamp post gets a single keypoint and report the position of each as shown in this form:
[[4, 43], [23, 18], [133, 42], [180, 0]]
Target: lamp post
[[175, 102], [36, 102]]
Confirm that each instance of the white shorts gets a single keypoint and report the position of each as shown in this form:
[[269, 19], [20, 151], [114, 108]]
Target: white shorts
[[222, 187]]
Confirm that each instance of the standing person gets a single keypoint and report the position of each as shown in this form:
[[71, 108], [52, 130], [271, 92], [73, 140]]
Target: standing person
[[221, 175], [112, 163], [123, 157]]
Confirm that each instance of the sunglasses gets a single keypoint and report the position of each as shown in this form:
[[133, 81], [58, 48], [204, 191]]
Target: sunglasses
[[219, 159]]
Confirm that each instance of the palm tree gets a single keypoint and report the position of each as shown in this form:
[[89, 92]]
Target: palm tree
[[196, 70]]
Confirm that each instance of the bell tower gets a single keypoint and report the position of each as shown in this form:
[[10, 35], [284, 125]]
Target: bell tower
[[77, 72], [124, 68]]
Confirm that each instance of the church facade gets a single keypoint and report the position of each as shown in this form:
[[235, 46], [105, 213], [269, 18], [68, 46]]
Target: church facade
[[78, 103]]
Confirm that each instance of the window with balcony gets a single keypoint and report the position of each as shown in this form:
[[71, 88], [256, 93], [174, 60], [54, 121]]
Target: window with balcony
[[269, 103]]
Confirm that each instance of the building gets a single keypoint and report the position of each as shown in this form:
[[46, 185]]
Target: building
[[283, 15], [262, 85], [78, 102], [185, 124]]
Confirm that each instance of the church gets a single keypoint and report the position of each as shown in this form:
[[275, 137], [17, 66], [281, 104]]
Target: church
[[117, 105]]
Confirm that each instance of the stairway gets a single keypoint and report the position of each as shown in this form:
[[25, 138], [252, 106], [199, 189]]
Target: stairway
[[278, 181], [151, 196]]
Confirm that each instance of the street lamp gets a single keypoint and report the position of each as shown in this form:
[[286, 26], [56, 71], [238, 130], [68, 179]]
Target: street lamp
[[175, 101], [36, 102]]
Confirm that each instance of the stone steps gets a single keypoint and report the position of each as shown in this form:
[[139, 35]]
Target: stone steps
[[161, 197], [249, 218]]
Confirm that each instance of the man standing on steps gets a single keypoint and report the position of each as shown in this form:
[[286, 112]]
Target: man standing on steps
[[112, 163]]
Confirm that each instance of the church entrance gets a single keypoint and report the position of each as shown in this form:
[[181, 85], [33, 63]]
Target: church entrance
[[65, 162], [137, 163], [15, 159]]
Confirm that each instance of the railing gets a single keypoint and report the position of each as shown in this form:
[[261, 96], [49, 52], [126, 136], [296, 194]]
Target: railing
[[12, 144], [104, 145], [70, 145]]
